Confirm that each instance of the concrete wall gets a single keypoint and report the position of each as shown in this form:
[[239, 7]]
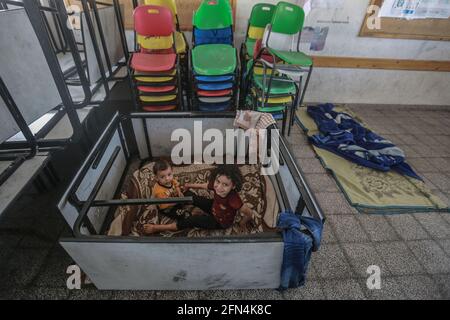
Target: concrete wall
[[359, 85], [364, 85]]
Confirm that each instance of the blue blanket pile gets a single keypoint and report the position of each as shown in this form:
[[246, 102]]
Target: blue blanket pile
[[342, 135]]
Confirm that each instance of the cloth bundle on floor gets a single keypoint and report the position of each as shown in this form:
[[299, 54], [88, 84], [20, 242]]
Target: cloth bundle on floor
[[301, 237], [343, 135]]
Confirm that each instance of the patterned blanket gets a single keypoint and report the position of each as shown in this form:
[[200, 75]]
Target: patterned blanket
[[257, 192]]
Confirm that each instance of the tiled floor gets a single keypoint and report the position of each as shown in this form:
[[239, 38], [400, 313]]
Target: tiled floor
[[412, 250]]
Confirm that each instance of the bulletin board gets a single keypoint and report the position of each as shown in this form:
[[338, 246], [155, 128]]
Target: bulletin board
[[422, 29]]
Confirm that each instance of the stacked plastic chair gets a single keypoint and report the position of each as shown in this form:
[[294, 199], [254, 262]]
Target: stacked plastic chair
[[155, 66], [213, 58], [281, 95], [260, 17], [284, 65], [181, 44]]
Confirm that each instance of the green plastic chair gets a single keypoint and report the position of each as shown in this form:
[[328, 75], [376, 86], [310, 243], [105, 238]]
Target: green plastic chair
[[278, 86], [286, 24], [213, 14], [214, 59], [260, 17]]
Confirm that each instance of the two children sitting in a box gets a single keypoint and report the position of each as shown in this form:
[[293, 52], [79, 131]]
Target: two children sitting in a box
[[217, 213]]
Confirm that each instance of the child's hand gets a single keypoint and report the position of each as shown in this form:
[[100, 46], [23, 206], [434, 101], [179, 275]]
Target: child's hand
[[184, 188], [149, 228]]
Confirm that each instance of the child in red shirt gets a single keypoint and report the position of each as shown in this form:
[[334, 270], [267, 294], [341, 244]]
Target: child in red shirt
[[219, 212]]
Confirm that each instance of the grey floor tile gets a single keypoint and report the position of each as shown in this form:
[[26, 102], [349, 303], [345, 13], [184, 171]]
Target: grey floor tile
[[377, 227], [262, 294], [424, 150], [444, 196], [328, 234], [446, 215], [429, 184], [439, 152], [419, 287], [409, 139], [436, 226], [24, 268], [36, 293], [410, 153], [390, 289], [441, 180], [313, 271], [312, 290], [321, 182], [90, 294], [441, 164], [299, 139], [54, 270], [303, 151], [311, 165], [445, 245], [36, 241], [334, 203], [330, 262], [422, 165], [430, 254], [177, 295], [8, 243], [347, 228], [407, 227], [343, 289], [443, 139], [133, 295], [428, 140], [443, 282], [362, 256], [220, 295], [398, 258]]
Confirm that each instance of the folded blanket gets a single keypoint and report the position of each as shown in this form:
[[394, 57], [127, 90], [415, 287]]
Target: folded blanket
[[344, 136], [247, 119]]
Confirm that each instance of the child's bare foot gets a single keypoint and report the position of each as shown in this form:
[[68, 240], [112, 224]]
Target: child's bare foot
[[150, 228]]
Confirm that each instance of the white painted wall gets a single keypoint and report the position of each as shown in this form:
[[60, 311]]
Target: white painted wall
[[366, 86]]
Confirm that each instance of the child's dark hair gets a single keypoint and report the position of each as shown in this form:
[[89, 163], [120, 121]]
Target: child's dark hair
[[161, 165], [231, 171]]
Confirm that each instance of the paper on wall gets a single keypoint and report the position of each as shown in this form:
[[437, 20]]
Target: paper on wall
[[415, 9]]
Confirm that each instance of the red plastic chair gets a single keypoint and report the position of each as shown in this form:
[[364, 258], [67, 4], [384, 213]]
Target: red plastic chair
[[155, 65], [153, 21]]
